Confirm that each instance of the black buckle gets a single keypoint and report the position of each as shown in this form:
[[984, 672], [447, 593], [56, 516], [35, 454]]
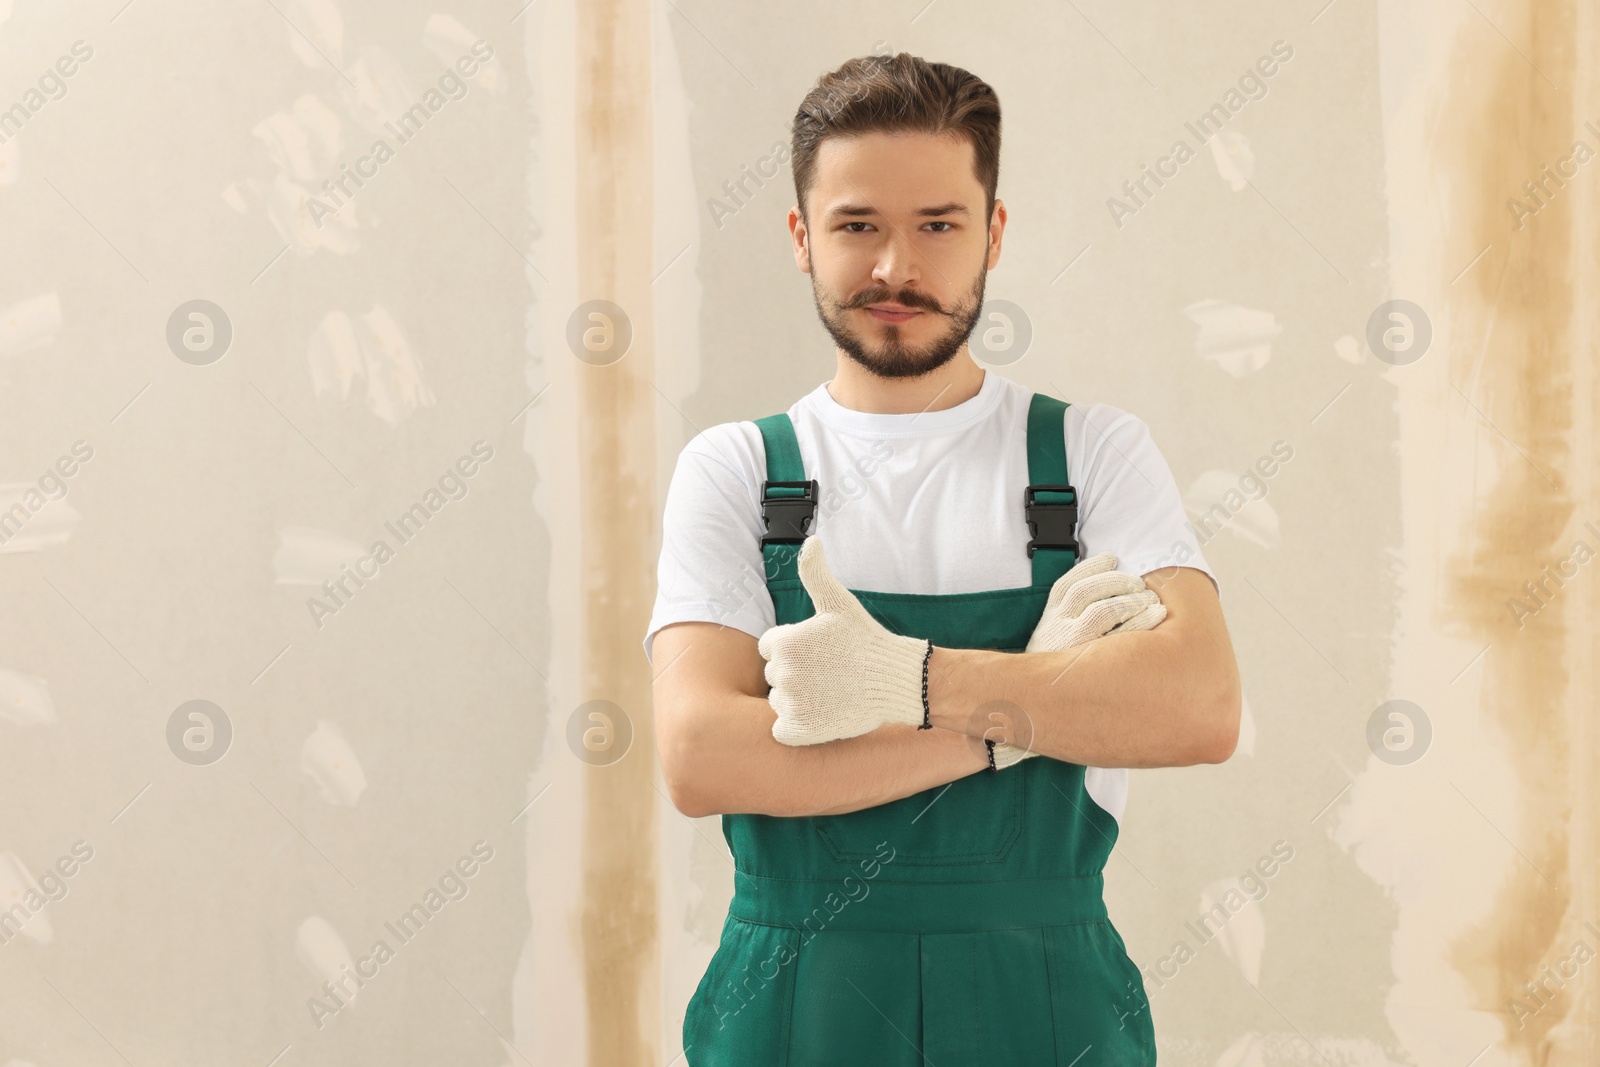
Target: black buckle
[[1051, 524], [787, 517]]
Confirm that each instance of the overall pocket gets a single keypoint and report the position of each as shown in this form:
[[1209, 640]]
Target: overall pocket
[[1098, 996], [976, 819], [739, 1015]]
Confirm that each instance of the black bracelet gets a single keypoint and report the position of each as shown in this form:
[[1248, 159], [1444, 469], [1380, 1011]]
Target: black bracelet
[[927, 712], [990, 743]]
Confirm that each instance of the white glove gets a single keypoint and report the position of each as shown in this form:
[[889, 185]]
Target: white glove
[[1091, 600], [840, 673]]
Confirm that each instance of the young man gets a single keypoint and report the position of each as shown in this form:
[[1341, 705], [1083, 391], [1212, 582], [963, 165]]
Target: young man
[[910, 886]]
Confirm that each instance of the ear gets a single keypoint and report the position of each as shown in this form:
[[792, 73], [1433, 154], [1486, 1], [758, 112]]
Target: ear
[[997, 229], [801, 236]]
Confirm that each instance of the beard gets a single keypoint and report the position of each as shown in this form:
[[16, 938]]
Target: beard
[[891, 356]]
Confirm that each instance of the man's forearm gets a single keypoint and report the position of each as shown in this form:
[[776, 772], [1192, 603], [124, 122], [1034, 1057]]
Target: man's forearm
[[738, 767], [1125, 700]]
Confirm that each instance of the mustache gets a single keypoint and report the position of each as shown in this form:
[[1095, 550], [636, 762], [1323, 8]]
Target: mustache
[[908, 299]]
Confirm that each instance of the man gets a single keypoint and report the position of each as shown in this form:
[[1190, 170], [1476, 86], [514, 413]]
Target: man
[[918, 738]]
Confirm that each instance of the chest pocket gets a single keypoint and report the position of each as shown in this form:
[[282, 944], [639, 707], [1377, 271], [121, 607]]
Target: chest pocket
[[973, 820]]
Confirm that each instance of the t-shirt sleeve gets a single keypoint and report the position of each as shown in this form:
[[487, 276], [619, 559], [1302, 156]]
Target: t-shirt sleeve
[[1130, 503], [711, 567]]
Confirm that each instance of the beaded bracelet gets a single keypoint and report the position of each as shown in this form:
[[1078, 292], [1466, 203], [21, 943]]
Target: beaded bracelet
[[927, 712], [990, 744]]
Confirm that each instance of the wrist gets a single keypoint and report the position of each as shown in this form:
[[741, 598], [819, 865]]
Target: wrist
[[948, 706], [975, 750], [959, 701]]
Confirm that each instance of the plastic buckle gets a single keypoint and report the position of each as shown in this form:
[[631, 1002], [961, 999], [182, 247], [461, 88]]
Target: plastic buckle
[[1051, 524], [788, 517]]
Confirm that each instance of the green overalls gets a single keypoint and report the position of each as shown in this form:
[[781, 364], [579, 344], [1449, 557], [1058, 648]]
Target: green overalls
[[961, 926]]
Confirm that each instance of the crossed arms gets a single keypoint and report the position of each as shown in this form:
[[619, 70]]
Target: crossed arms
[[1167, 697]]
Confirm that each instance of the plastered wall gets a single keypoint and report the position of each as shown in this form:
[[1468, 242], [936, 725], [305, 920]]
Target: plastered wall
[[339, 440]]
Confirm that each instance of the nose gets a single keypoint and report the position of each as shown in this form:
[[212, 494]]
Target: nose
[[897, 266]]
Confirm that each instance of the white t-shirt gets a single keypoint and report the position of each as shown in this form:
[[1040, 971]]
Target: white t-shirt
[[927, 503]]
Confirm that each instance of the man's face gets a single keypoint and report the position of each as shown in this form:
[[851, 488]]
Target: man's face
[[896, 220]]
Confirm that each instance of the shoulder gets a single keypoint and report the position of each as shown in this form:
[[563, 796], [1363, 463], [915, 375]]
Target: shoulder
[[728, 453], [1112, 451], [1096, 421], [1106, 438]]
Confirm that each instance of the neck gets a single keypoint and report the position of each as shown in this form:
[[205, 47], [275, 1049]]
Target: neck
[[856, 388]]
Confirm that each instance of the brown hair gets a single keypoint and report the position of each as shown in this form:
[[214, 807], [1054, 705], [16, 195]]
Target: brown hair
[[892, 93]]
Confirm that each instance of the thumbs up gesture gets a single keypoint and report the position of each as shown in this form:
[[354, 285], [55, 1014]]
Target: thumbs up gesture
[[840, 673]]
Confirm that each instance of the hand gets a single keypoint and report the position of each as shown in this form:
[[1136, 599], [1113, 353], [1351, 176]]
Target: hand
[[1090, 601], [840, 673]]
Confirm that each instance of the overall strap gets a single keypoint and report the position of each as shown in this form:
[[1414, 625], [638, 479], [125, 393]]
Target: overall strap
[[1050, 504], [788, 499]]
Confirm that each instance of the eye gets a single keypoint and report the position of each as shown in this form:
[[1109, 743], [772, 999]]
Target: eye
[[850, 224], [950, 224]]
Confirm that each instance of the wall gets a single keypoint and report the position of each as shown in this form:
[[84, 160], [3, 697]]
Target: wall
[[471, 697]]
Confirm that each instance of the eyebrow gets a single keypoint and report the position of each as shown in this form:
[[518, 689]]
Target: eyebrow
[[851, 210]]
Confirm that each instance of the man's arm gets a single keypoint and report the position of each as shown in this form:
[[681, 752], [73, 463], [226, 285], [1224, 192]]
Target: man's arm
[[1167, 697], [714, 736]]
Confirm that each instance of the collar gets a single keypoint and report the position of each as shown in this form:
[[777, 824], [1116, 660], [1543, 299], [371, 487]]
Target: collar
[[841, 419]]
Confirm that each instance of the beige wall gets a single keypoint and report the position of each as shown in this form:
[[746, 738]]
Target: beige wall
[[442, 707]]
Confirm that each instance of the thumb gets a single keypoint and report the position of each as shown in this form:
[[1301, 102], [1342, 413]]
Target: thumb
[[827, 593]]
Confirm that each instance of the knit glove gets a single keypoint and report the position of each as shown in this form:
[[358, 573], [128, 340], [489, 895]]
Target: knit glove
[[1091, 600], [840, 673]]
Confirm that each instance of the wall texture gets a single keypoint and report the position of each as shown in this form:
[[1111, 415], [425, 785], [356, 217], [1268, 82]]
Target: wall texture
[[345, 351]]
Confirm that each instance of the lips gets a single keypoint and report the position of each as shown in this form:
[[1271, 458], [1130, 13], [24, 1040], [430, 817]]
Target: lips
[[895, 315]]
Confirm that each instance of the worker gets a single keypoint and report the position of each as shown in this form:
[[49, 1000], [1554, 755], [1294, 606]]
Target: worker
[[911, 633]]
